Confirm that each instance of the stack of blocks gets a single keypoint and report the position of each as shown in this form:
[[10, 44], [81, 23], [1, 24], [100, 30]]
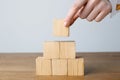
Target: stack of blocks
[[59, 57]]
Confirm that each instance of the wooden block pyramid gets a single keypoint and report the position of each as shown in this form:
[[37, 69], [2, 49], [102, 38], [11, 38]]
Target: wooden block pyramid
[[59, 57]]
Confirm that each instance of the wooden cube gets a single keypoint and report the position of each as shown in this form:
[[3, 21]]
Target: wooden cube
[[59, 29], [43, 66], [67, 49], [76, 67], [51, 50], [80, 66], [59, 67], [72, 67]]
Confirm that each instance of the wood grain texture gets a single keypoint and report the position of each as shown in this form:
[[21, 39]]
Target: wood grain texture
[[72, 67], [80, 67], [60, 78], [67, 50], [98, 66], [76, 67], [59, 66], [43, 66], [51, 49], [59, 29]]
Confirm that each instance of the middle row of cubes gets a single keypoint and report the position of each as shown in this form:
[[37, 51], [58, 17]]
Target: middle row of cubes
[[59, 49]]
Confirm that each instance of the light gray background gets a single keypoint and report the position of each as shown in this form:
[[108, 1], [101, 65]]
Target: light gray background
[[26, 24]]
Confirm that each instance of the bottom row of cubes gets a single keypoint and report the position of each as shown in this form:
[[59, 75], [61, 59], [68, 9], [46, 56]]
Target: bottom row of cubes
[[70, 67]]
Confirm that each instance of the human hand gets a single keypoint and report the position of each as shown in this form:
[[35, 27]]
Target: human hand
[[88, 9]]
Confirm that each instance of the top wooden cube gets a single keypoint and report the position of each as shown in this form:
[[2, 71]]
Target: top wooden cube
[[59, 29]]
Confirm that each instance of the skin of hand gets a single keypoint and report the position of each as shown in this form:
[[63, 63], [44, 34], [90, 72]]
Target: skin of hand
[[88, 9]]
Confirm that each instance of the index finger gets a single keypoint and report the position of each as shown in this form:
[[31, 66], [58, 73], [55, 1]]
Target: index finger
[[73, 11]]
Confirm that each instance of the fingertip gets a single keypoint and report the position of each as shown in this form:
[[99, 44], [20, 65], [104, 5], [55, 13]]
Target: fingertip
[[66, 24]]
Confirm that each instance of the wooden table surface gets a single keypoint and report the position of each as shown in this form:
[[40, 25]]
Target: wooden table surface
[[98, 66]]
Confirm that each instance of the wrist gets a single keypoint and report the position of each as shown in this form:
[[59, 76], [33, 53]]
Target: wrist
[[113, 3]]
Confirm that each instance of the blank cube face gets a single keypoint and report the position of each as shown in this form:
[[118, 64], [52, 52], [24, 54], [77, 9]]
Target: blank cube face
[[59, 67], [59, 29], [72, 67], [43, 66], [67, 49], [76, 67], [81, 66], [51, 50]]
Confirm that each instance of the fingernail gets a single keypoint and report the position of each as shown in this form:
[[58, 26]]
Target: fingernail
[[65, 24]]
